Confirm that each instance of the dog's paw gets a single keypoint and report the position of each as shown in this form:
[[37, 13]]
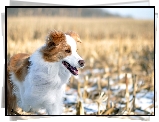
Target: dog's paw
[[26, 108]]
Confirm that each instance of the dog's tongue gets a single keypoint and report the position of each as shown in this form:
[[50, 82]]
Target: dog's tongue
[[74, 70]]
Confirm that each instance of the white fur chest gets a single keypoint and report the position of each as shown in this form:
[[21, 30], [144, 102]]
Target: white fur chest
[[44, 83]]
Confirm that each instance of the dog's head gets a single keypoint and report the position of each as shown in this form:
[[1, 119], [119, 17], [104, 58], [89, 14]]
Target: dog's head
[[61, 47]]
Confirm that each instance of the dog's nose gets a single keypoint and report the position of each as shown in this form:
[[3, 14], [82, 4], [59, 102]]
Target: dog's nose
[[81, 63]]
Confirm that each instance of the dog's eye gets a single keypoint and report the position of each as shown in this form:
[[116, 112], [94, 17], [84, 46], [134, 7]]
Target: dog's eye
[[51, 44], [68, 51]]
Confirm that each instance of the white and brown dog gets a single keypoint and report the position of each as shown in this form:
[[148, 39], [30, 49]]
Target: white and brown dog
[[38, 81]]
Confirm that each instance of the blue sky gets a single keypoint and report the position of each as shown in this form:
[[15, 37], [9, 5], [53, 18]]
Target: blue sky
[[137, 13]]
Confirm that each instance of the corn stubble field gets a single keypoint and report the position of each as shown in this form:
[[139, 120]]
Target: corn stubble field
[[118, 78]]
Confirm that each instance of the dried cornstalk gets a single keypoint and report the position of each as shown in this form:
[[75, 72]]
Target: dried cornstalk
[[79, 90], [85, 89], [109, 111], [91, 62], [108, 100], [79, 108], [98, 84], [102, 98], [134, 91], [127, 93]]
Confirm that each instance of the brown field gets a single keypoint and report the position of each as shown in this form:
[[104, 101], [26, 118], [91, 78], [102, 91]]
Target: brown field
[[118, 46]]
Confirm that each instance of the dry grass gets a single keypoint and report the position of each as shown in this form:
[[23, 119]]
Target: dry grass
[[119, 46]]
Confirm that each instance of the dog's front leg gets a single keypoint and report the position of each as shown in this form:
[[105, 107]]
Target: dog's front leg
[[54, 109]]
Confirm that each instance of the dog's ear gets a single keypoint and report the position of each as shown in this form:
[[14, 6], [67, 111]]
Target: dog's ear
[[55, 37], [74, 35]]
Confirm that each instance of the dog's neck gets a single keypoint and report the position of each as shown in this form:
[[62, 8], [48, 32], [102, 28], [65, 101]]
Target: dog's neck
[[52, 69]]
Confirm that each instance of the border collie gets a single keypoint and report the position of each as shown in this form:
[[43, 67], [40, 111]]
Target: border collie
[[38, 81]]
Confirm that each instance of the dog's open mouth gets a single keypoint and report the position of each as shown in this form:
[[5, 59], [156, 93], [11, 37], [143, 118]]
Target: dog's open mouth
[[72, 69]]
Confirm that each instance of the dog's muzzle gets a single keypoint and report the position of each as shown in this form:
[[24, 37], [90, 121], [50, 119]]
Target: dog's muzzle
[[72, 69]]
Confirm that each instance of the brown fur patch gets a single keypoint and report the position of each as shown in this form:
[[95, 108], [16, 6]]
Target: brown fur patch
[[56, 37], [56, 47], [17, 64], [74, 35]]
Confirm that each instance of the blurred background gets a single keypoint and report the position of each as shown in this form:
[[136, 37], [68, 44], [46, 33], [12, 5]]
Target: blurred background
[[117, 46]]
